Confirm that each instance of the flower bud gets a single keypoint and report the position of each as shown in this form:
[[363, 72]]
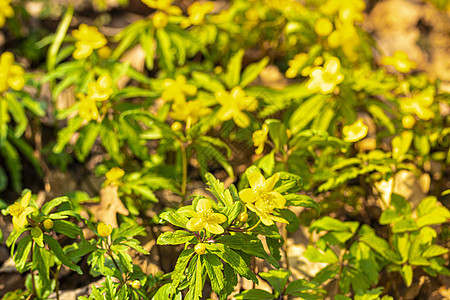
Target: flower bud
[[408, 121], [136, 284], [159, 20], [176, 126], [200, 248], [104, 230], [48, 224], [242, 217]]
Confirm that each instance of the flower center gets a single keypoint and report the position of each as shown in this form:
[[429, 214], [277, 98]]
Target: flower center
[[206, 214], [16, 209]]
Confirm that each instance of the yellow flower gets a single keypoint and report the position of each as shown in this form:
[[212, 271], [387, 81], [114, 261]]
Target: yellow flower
[[113, 175], [20, 210], [295, 64], [325, 79], [355, 131], [104, 230], [101, 89], [11, 75], [233, 103], [160, 20], [88, 108], [6, 11], [197, 12], [177, 90], [261, 198], [323, 27], [189, 112], [349, 10], [259, 138], [205, 218], [89, 38], [345, 36], [400, 61], [419, 105], [164, 5]]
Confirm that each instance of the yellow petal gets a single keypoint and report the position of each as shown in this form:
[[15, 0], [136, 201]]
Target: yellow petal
[[203, 205], [195, 224], [248, 195], [25, 199], [82, 51], [256, 180], [241, 119], [218, 218], [20, 221], [270, 183], [279, 219], [277, 199], [213, 228]]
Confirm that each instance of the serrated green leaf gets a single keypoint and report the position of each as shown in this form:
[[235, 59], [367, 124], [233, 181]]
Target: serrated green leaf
[[390, 216], [276, 278], [49, 206], [175, 238], [302, 200], [182, 262], [252, 71], [67, 228], [316, 255], [434, 250], [407, 274], [58, 251], [21, 255], [214, 268]]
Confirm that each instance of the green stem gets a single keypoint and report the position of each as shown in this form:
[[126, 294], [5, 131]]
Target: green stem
[[184, 170], [32, 273]]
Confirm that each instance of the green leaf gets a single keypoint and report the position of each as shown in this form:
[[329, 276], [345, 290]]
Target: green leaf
[[110, 140], [166, 292], [84, 144], [405, 225], [316, 255], [59, 253], [175, 218], [300, 285], [379, 114], [49, 206], [401, 243], [233, 259], [217, 189], [248, 244], [145, 192], [65, 134], [407, 274], [390, 216], [252, 71], [231, 211], [401, 144], [207, 82], [289, 216], [267, 163], [36, 234], [182, 261], [196, 283], [255, 294], [3, 180], [174, 238], [434, 250], [400, 204], [288, 182], [61, 31], [302, 200], [12, 159], [41, 263], [330, 224], [231, 77], [214, 269], [422, 144], [22, 252], [67, 228], [277, 133], [18, 114], [276, 278], [306, 112], [146, 39], [164, 47]]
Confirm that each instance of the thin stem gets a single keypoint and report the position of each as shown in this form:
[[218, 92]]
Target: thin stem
[[56, 274], [184, 170], [286, 247], [32, 273]]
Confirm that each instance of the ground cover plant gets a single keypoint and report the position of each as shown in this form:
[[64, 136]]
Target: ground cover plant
[[163, 149]]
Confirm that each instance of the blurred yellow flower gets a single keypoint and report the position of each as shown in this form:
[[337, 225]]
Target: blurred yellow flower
[[6, 11], [113, 175], [419, 105], [88, 108], [197, 12], [20, 210], [355, 131], [100, 90], [345, 36], [189, 112], [164, 5], [261, 198], [11, 75], [89, 38], [323, 27], [205, 218], [233, 105], [160, 20], [324, 79], [295, 64], [349, 11], [400, 61], [259, 138], [176, 90], [104, 230]]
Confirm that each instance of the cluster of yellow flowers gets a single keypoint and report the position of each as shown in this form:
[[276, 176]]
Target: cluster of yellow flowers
[[348, 12], [88, 39], [419, 104], [196, 13], [261, 199], [11, 75], [6, 11], [325, 79], [164, 8], [400, 61], [100, 90]]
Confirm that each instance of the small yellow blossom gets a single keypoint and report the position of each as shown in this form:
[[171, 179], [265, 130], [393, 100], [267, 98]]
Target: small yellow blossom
[[176, 90], [345, 36], [408, 121], [20, 210], [419, 105], [349, 11], [11, 75], [89, 38], [100, 90], [295, 64], [6, 11], [259, 138], [113, 176], [323, 27], [325, 79], [104, 230], [205, 218], [104, 52], [189, 112], [355, 131], [233, 105], [261, 198], [88, 108], [160, 20], [400, 61], [164, 5], [197, 12]]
